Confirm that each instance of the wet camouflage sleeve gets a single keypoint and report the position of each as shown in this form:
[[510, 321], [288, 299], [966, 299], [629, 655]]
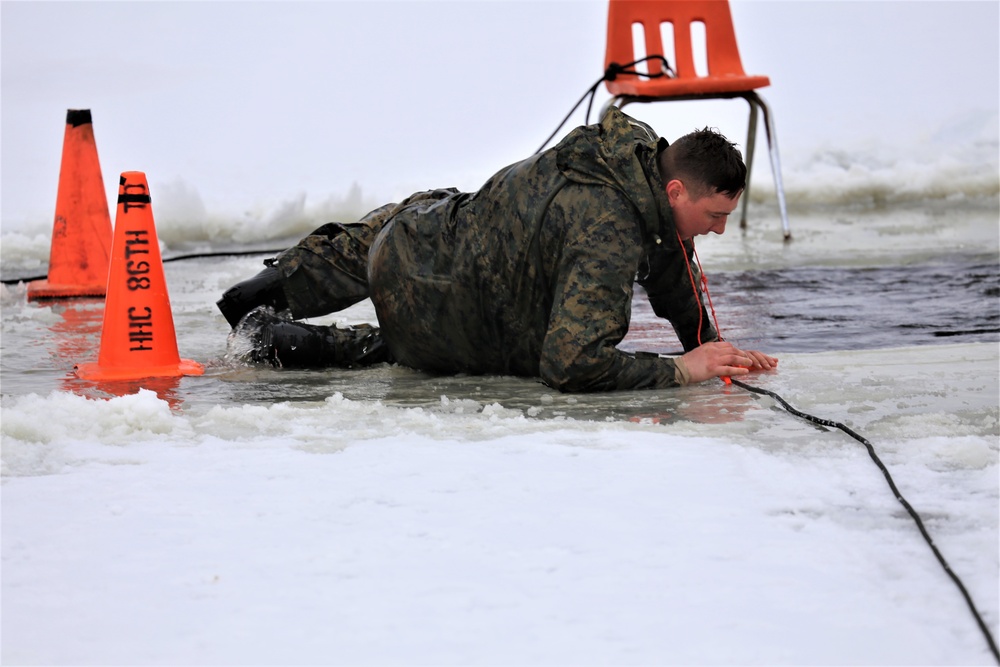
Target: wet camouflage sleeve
[[598, 252]]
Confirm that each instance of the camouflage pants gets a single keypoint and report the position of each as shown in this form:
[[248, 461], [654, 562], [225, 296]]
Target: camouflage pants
[[327, 271]]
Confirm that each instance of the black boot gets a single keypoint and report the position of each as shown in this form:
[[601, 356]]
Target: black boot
[[264, 289], [286, 344]]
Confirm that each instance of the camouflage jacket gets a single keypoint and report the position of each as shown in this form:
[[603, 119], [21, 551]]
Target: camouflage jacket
[[533, 274]]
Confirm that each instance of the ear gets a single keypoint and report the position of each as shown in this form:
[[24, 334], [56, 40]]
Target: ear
[[675, 190]]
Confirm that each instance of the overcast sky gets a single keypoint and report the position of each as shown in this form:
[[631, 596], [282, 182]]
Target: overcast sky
[[246, 102]]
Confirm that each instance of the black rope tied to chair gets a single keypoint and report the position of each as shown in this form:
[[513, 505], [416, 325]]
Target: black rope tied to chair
[[613, 71]]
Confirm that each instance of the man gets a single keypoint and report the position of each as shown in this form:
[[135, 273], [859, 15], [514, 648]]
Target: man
[[532, 275]]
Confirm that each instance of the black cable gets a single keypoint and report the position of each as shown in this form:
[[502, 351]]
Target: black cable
[[175, 258], [899, 497], [591, 92], [25, 279], [610, 74], [223, 253]]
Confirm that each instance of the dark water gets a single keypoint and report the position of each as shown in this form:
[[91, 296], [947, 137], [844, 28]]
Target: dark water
[[803, 309], [806, 309]]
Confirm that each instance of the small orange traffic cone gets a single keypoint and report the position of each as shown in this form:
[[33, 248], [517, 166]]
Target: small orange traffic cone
[[137, 337], [81, 236]]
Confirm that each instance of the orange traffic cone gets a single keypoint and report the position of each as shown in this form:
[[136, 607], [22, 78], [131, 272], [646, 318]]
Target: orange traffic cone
[[81, 236], [137, 337]]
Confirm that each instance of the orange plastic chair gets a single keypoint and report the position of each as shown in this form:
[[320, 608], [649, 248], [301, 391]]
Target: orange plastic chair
[[725, 77]]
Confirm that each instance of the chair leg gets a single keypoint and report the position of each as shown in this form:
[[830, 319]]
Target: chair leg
[[751, 143], [772, 143]]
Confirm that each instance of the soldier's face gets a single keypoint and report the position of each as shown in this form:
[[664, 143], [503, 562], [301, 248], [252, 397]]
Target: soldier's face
[[702, 215]]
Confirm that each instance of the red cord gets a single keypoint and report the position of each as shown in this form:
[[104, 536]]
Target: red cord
[[694, 288], [704, 282]]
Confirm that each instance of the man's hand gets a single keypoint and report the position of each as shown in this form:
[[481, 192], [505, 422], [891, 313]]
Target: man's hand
[[718, 359], [761, 361]]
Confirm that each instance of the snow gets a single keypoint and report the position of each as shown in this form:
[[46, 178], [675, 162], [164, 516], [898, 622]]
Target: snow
[[356, 532]]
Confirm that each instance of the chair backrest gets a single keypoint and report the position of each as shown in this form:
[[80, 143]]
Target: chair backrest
[[723, 55]]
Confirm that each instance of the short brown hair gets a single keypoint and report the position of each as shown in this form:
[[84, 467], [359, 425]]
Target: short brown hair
[[706, 162]]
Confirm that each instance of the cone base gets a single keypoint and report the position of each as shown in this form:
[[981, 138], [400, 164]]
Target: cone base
[[97, 372], [43, 289]]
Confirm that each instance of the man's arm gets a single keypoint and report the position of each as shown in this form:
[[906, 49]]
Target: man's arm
[[592, 296]]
